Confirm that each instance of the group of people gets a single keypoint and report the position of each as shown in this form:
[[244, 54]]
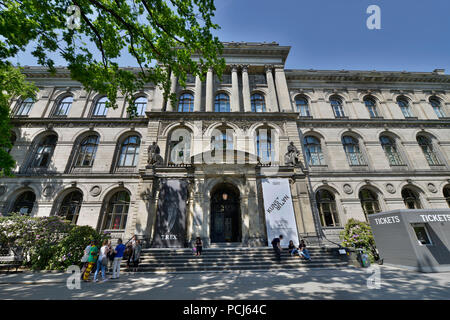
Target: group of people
[[293, 250], [108, 257]]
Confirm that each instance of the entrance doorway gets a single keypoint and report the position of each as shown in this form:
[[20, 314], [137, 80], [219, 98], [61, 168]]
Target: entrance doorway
[[225, 214]]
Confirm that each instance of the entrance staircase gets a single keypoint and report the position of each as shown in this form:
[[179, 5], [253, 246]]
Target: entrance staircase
[[231, 257]]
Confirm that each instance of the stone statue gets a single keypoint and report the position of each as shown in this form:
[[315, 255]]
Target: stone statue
[[154, 158], [292, 157]]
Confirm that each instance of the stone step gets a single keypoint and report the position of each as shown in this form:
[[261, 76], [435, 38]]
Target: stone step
[[241, 263], [246, 267]]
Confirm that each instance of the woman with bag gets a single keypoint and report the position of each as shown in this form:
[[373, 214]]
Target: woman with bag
[[137, 248], [102, 261], [198, 246], [93, 255], [84, 259]]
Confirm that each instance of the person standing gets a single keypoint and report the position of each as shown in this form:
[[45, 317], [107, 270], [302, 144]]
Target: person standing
[[198, 246], [102, 262], [129, 250], [110, 257], [120, 248], [93, 255], [85, 258], [276, 244], [137, 248]]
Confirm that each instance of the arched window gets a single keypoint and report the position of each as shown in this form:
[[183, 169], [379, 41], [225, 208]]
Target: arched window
[[446, 193], [390, 149], [313, 151], [302, 106], [264, 145], [436, 104], [179, 146], [411, 199], [116, 213], [427, 148], [336, 105], [24, 203], [141, 105], [86, 151], [353, 152], [70, 206], [222, 139], [369, 202], [258, 103], [222, 103], [404, 106], [371, 107], [186, 103], [326, 204], [100, 109], [25, 107], [63, 107], [129, 152], [44, 152]]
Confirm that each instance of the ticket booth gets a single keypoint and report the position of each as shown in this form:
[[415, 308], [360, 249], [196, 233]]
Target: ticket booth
[[415, 239]]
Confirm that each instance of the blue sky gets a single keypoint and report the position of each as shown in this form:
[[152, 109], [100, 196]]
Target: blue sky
[[332, 34]]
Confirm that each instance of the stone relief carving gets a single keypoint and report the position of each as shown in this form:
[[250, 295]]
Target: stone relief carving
[[432, 188], [390, 188], [348, 189], [95, 191]]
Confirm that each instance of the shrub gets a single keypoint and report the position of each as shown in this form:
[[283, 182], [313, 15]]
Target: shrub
[[70, 250], [358, 234], [46, 242]]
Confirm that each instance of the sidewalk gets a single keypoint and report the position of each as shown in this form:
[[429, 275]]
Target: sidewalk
[[343, 283]]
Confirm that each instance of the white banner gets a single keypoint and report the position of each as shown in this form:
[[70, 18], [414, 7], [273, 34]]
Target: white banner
[[279, 211]]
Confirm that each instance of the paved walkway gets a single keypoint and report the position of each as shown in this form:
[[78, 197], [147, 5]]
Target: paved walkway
[[343, 283]]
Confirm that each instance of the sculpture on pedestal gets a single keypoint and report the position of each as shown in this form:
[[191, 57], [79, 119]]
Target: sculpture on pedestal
[[154, 157], [292, 157]]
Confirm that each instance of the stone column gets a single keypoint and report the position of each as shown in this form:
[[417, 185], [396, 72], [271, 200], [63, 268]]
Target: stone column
[[173, 88], [282, 89], [234, 90], [209, 91], [198, 94], [246, 89], [273, 107]]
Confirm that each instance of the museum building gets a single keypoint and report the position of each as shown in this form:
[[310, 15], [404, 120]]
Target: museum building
[[346, 144]]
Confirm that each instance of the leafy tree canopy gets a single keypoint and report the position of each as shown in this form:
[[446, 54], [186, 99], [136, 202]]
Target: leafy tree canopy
[[90, 35]]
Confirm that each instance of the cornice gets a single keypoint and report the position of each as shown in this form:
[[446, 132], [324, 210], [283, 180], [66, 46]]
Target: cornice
[[368, 123], [79, 122], [222, 116], [366, 76]]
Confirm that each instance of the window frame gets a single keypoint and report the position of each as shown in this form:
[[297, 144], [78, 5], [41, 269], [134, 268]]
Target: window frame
[[258, 97], [121, 162], [319, 154], [186, 99], [100, 101], [339, 105], [21, 107], [61, 101], [361, 159], [109, 210], [219, 102]]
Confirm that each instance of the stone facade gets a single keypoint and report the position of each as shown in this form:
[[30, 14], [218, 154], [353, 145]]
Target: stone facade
[[296, 105]]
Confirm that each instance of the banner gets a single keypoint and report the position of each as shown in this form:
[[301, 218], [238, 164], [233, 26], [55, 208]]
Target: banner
[[170, 231], [279, 211]]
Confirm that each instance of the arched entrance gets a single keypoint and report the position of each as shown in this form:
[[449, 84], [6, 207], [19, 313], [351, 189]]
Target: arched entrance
[[225, 214]]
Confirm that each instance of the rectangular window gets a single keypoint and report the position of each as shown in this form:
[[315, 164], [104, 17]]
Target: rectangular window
[[422, 234]]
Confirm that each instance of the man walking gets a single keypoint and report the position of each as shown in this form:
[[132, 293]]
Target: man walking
[[120, 248], [276, 244]]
